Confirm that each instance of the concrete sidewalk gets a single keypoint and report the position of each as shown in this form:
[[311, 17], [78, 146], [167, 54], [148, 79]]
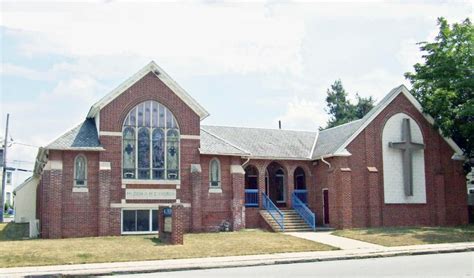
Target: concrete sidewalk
[[336, 241], [233, 261]]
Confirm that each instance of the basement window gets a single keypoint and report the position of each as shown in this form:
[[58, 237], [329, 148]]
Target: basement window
[[141, 221]]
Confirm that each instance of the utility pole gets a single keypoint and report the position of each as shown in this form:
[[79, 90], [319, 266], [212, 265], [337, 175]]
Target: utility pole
[[4, 173]]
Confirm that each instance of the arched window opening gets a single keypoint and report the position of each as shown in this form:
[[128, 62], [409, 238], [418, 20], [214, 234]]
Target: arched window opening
[[215, 173], [80, 171], [150, 148], [300, 179], [280, 185], [251, 177]]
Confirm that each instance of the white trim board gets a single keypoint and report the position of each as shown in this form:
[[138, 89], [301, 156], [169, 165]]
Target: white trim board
[[163, 76], [385, 102]]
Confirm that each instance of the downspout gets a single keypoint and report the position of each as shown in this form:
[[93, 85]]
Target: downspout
[[325, 162], [247, 161]]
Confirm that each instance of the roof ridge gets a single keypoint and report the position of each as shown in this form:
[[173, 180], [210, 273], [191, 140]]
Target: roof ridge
[[225, 141], [264, 128]]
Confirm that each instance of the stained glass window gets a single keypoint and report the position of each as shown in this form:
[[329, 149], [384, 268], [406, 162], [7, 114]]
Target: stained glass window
[[215, 173], [80, 171], [158, 154], [150, 143], [143, 156], [172, 156], [129, 153]]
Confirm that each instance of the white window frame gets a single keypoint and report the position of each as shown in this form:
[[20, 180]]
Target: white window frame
[[150, 216], [85, 171]]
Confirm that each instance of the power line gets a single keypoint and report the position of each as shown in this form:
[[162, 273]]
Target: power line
[[23, 144]]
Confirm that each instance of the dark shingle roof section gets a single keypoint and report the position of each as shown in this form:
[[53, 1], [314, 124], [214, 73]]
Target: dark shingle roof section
[[82, 137], [268, 143], [212, 144]]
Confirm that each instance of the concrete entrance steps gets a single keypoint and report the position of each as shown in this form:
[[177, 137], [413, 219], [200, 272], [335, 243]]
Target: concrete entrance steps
[[293, 221]]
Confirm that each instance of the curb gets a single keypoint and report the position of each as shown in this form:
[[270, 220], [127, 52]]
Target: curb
[[79, 272]]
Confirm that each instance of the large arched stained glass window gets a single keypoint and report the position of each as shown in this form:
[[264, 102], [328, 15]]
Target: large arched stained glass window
[[150, 143]]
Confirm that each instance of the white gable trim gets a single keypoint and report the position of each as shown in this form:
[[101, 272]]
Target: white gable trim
[[386, 101], [163, 76], [314, 144]]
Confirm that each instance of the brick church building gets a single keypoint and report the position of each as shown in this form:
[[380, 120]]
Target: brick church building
[[142, 146]]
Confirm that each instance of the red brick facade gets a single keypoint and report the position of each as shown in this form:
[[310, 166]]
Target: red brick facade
[[355, 193]]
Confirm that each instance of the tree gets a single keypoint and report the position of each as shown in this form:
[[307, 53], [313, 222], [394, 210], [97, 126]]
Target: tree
[[444, 82], [341, 110]]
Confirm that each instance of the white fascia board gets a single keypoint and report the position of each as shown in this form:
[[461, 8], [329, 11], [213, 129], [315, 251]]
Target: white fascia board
[[400, 90], [164, 77], [314, 144], [277, 158], [223, 154], [343, 153]]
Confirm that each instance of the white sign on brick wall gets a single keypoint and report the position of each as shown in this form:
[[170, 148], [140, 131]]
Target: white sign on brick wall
[[150, 194]]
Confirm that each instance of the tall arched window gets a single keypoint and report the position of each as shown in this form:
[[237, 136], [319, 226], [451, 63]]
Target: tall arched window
[[215, 173], [80, 171], [251, 177], [300, 179], [150, 147]]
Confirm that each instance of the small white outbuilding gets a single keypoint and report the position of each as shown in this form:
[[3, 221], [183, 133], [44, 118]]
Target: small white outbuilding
[[25, 200]]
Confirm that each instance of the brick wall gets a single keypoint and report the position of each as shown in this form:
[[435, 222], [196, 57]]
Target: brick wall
[[445, 188]]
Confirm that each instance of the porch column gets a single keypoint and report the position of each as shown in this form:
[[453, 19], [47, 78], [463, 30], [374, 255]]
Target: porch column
[[104, 198], [238, 187], [290, 183], [196, 200], [261, 185]]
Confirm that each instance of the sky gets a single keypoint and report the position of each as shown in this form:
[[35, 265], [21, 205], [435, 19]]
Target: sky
[[248, 63]]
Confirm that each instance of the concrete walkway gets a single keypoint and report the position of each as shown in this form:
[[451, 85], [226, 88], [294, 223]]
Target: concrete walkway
[[233, 261], [336, 241]]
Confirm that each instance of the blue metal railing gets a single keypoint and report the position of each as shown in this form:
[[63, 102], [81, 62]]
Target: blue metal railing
[[251, 197], [274, 212], [302, 195], [308, 216]]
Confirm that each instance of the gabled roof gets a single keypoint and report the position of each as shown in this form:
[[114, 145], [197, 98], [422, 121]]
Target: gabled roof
[[329, 140], [266, 143], [212, 144], [82, 137], [338, 138], [163, 76]]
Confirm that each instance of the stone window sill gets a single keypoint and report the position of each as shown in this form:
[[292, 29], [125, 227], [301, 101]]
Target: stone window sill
[[80, 189], [215, 190]]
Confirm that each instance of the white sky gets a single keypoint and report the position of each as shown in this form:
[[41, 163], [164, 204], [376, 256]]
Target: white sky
[[248, 64]]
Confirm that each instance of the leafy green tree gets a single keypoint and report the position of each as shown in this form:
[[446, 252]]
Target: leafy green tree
[[341, 110], [444, 82]]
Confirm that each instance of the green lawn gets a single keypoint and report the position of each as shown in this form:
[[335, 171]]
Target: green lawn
[[13, 231], [410, 235], [132, 248]]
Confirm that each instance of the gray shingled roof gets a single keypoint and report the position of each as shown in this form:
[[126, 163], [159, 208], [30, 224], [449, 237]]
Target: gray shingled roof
[[211, 144], [82, 137], [329, 140], [260, 142]]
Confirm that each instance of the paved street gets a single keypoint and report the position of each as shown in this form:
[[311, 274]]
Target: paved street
[[438, 265]]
